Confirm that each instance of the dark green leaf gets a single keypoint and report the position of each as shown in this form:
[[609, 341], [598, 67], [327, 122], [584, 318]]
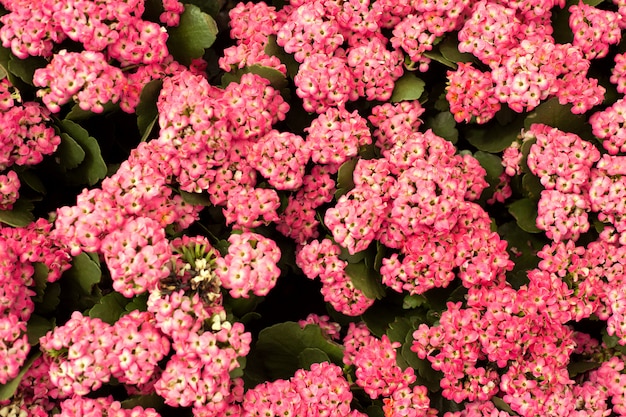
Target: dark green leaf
[[20, 215], [196, 32], [379, 316], [93, 168], [399, 329], [492, 164], [277, 352], [7, 390], [211, 7], [69, 152], [272, 49], [345, 181], [37, 326], [110, 307], [408, 87], [375, 411], [576, 368], [429, 377], [147, 113], [525, 213], [365, 279], [32, 180], [444, 125], [501, 405], [50, 300], [25, 68], [532, 186], [275, 77], [77, 114], [554, 114], [449, 48], [146, 401], [353, 259], [413, 301], [309, 356], [437, 56], [139, 303], [84, 272], [195, 199], [492, 137]]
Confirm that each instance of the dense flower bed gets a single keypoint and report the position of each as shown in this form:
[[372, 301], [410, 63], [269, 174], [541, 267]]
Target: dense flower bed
[[312, 208]]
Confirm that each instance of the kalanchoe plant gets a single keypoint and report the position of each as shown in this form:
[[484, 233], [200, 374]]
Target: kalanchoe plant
[[312, 208]]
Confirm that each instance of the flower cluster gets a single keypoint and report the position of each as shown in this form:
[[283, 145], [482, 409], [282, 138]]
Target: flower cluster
[[606, 192], [84, 77], [563, 163], [249, 266], [609, 126], [322, 390], [594, 29], [394, 120], [321, 259], [112, 27], [471, 94]]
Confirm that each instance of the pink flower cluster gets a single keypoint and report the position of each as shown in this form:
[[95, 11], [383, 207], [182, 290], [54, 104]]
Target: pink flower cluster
[[25, 139], [84, 77], [102, 406], [321, 259], [249, 266], [393, 120], [608, 125], [113, 27], [320, 391], [21, 248], [527, 65], [471, 94], [251, 25], [606, 192], [379, 375], [563, 162]]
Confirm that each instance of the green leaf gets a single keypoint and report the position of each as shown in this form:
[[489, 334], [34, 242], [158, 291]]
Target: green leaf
[[32, 180], [444, 125], [275, 77], [7, 390], [147, 112], [50, 300], [375, 411], [576, 368], [93, 168], [25, 68], [492, 164], [309, 356], [84, 272], [146, 401], [408, 87], [525, 213], [345, 181], [532, 186], [437, 56], [273, 49], [196, 199], [449, 48], [399, 329], [277, 352], [37, 326], [196, 32], [69, 152], [429, 377], [77, 114], [413, 301], [139, 303], [493, 137], [20, 215], [554, 114], [379, 316], [365, 279], [501, 405], [211, 7], [110, 308]]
